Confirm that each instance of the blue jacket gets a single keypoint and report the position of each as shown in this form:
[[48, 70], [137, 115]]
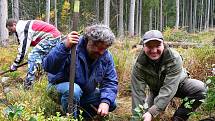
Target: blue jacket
[[100, 74]]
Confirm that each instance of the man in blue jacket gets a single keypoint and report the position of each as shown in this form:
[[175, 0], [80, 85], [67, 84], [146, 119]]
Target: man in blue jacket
[[96, 82]]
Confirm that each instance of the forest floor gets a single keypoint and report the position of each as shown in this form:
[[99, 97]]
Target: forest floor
[[123, 110]]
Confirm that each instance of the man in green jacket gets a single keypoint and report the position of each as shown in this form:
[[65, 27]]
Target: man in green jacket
[[161, 69]]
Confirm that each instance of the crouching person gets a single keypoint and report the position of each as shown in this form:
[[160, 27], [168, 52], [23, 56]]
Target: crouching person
[[38, 34], [96, 84], [160, 68]]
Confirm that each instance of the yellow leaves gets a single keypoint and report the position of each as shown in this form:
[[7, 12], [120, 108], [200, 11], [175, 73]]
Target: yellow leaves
[[52, 14], [65, 11]]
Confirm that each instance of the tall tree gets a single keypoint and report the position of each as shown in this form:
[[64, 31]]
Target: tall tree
[[190, 15], [183, 13], [107, 12], [55, 13], [194, 15], [150, 19], [161, 15], [201, 15], [205, 14], [208, 16], [131, 18], [137, 18], [121, 23], [140, 17], [16, 9], [186, 6], [155, 18], [177, 14], [3, 18], [212, 13], [47, 11], [97, 11]]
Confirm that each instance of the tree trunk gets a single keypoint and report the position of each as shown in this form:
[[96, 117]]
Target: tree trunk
[[107, 12], [137, 18], [183, 14], [177, 15], [194, 16], [115, 5], [3, 18], [205, 13], [166, 20], [12, 8], [140, 17], [186, 5], [202, 11], [212, 13], [155, 18], [121, 23], [131, 18], [126, 17], [97, 11], [47, 11], [16, 9], [55, 9], [208, 16], [190, 16], [161, 15], [150, 19]]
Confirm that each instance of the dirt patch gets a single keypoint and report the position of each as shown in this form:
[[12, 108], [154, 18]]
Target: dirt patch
[[123, 110]]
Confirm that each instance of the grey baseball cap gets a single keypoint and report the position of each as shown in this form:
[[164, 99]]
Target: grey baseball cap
[[152, 35]]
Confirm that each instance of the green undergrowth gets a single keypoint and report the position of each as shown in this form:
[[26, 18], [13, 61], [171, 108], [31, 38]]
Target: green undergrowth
[[181, 35]]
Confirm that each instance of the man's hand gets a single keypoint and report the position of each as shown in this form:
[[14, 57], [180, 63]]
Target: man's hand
[[72, 39], [147, 116], [13, 67], [103, 109]]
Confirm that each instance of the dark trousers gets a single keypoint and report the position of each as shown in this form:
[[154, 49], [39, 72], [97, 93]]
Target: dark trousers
[[192, 91]]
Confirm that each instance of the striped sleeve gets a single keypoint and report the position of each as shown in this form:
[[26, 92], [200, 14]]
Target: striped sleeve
[[23, 36]]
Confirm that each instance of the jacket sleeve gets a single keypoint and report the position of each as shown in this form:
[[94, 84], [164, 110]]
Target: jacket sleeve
[[138, 87], [169, 88], [24, 38], [57, 58], [22, 50], [109, 85]]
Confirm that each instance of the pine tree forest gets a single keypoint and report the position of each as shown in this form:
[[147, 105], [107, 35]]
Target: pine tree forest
[[188, 26], [137, 16]]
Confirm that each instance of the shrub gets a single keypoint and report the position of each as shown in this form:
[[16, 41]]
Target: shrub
[[209, 104], [198, 61], [123, 59], [180, 35]]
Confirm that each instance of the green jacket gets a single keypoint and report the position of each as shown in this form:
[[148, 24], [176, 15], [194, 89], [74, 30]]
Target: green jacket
[[163, 77]]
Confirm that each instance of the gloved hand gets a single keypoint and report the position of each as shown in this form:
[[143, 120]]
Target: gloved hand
[[13, 67]]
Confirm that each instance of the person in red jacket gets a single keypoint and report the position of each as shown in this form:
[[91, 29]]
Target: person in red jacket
[[36, 33]]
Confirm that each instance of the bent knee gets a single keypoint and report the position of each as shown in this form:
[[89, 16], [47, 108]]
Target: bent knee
[[202, 90], [77, 92]]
